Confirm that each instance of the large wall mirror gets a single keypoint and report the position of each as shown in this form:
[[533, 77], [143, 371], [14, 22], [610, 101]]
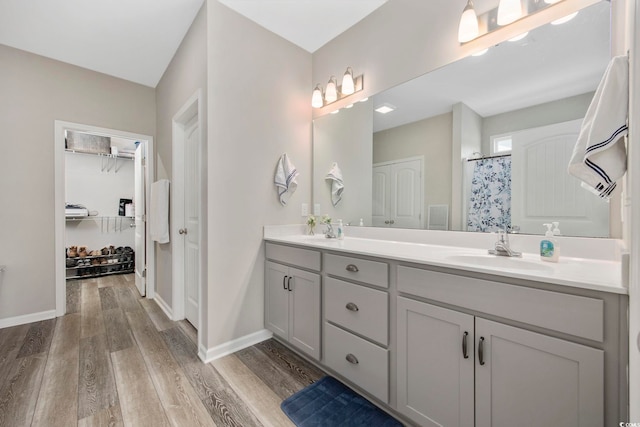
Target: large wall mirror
[[476, 145]]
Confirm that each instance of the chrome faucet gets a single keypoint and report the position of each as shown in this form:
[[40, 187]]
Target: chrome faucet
[[329, 233], [502, 247]]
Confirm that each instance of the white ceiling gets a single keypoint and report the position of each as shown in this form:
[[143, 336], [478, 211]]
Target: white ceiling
[[309, 24], [136, 39], [131, 39], [553, 62]]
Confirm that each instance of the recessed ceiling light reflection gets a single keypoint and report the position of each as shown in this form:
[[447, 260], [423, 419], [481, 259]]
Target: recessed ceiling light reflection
[[385, 108]]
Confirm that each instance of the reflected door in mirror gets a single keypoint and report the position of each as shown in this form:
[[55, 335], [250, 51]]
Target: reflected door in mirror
[[397, 194]]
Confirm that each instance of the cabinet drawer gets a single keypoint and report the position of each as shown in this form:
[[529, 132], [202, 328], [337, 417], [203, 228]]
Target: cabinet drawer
[[370, 272], [357, 308], [304, 258], [369, 365], [569, 314]]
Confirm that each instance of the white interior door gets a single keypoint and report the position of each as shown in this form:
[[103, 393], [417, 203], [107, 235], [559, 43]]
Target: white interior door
[[192, 221], [542, 190], [381, 186], [140, 223], [397, 194], [406, 194]]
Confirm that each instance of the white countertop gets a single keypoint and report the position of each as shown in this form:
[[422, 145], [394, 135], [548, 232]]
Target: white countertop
[[575, 272]]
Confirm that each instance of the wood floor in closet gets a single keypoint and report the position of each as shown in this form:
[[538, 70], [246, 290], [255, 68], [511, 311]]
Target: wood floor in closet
[[115, 359]]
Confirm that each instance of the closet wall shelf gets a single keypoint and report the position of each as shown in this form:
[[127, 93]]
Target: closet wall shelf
[[108, 223]]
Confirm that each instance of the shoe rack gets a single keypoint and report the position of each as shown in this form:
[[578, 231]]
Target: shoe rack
[[89, 266]]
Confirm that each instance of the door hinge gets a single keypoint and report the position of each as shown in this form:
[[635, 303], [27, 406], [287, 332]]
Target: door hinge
[[144, 273]]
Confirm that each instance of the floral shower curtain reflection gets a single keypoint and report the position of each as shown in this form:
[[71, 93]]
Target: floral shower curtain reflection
[[489, 195]]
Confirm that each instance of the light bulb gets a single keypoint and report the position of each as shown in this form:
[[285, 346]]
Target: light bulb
[[509, 11], [316, 98], [564, 19], [468, 29], [331, 93], [348, 86]]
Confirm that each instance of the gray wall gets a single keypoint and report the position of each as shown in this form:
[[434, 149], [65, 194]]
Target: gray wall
[[259, 108], [36, 91], [563, 110], [430, 138], [344, 138], [186, 73]]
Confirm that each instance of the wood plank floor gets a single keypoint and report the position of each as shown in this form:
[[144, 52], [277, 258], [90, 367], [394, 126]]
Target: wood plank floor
[[116, 360]]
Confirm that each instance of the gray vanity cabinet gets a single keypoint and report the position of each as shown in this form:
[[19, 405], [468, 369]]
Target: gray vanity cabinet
[[435, 364], [292, 298], [529, 376], [520, 376]]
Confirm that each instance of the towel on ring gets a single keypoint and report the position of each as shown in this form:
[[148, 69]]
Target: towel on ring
[[337, 184], [159, 215], [285, 179], [600, 158]]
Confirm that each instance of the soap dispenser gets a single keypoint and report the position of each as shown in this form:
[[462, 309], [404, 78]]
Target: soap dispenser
[[548, 248], [556, 230], [340, 230]]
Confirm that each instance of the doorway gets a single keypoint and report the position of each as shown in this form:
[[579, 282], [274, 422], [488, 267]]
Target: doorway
[[186, 211], [104, 219], [397, 193]]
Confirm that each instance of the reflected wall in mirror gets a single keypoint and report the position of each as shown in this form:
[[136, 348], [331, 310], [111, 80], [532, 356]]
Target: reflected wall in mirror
[[518, 108]]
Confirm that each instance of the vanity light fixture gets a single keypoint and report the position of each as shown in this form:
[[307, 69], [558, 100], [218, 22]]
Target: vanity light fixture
[[468, 29], [509, 11], [348, 85], [480, 52], [331, 93], [316, 97], [564, 19], [520, 37]]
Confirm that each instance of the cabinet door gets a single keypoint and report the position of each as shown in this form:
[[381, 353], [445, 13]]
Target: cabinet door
[[304, 306], [276, 299], [435, 379], [525, 378]]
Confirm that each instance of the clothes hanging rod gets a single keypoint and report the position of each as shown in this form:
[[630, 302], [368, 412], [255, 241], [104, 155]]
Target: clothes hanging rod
[[488, 157]]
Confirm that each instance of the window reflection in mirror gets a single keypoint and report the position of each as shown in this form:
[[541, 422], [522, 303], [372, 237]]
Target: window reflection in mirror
[[529, 95]]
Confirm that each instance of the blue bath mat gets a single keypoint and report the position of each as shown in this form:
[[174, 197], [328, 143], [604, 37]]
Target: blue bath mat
[[329, 403]]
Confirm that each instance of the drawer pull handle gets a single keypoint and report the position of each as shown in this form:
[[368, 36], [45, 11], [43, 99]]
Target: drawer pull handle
[[289, 284], [481, 351], [352, 359], [284, 285], [352, 268], [465, 353], [352, 307]]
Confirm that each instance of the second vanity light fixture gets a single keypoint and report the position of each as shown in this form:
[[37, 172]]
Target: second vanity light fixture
[[508, 11], [333, 92]]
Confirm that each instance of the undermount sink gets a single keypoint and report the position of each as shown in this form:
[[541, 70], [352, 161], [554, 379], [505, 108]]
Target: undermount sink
[[500, 262]]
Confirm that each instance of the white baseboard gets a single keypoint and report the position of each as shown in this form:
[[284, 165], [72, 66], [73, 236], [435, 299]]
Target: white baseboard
[[210, 354], [27, 318], [164, 306]]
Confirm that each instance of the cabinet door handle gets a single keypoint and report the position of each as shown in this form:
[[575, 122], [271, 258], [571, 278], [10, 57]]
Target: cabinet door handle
[[386, 222], [352, 268], [284, 280], [352, 307], [392, 222], [352, 359], [481, 351], [289, 284], [465, 353], [182, 231]]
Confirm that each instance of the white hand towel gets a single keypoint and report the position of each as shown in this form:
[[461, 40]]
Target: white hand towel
[[337, 184], [285, 179], [599, 157], [159, 215]]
